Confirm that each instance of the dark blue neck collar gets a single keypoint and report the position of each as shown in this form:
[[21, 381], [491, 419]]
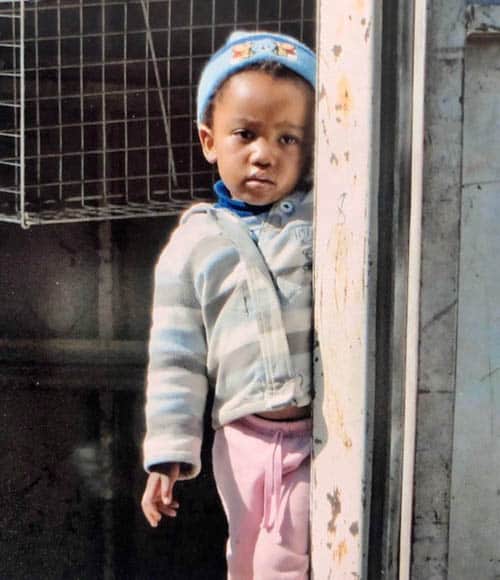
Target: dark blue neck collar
[[241, 208]]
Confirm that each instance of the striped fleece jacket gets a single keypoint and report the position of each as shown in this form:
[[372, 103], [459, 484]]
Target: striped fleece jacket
[[230, 318]]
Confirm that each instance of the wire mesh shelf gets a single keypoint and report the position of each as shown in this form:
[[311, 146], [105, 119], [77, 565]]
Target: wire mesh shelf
[[97, 101]]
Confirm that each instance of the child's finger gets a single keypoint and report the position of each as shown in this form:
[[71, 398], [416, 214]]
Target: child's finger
[[153, 516], [152, 485], [169, 510], [172, 505], [149, 499]]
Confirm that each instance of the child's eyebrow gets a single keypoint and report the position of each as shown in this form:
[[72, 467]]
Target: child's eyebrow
[[292, 126], [256, 123]]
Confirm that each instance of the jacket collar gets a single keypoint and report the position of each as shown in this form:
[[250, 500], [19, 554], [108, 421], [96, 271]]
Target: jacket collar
[[241, 208]]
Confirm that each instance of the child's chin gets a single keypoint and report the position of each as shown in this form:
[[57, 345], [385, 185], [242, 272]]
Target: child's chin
[[254, 199], [260, 200], [261, 196]]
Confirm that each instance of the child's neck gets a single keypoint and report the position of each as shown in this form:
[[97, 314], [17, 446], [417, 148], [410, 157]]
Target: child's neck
[[239, 207]]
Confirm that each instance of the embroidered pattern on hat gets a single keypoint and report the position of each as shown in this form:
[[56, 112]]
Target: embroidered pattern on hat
[[287, 50], [248, 49], [242, 52]]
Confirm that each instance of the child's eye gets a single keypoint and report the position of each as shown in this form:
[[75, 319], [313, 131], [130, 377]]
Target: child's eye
[[289, 140], [244, 134]]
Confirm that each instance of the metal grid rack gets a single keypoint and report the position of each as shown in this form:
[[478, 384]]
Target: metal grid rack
[[97, 101]]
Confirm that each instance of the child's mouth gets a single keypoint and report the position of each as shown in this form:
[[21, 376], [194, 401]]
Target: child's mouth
[[257, 181]]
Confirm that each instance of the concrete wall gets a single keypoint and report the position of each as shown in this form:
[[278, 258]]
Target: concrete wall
[[439, 287], [474, 505]]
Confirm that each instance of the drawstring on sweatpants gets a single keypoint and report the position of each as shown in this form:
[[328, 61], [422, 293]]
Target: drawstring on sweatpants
[[273, 504]]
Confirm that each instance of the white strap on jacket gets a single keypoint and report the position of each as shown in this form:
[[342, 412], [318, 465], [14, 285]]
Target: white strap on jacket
[[280, 375]]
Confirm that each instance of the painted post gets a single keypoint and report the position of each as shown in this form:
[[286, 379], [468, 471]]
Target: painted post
[[347, 161]]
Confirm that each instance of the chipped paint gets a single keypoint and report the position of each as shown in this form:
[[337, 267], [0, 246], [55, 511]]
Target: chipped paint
[[336, 507], [368, 31], [325, 131], [334, 159], [346, 184]]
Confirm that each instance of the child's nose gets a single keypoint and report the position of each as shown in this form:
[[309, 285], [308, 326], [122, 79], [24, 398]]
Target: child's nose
[[262, 153]]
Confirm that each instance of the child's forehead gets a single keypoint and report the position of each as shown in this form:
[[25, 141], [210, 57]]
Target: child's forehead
[[256, 97], [255, 81]]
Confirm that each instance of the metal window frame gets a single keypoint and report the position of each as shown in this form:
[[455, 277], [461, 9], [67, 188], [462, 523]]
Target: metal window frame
[[66, 197]]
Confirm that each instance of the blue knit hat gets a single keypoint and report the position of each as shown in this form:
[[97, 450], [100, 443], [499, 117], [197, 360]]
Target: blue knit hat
[[246, 48]]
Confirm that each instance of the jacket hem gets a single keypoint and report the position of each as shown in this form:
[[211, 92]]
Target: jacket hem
[[222, 418]]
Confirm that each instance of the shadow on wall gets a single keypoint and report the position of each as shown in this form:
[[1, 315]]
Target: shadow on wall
[[70, 455]]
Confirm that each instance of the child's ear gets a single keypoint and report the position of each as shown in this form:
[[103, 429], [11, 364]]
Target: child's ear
[[206, 137]]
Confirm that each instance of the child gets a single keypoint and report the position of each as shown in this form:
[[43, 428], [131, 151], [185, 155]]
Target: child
[[232, 311]]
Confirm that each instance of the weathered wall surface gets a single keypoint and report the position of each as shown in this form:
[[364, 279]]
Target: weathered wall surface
[[475, 507], [439, 283], [71, 410]]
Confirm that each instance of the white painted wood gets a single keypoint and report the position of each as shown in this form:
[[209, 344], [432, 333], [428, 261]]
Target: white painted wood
[[475, 500], [346, 181], [414, 281]]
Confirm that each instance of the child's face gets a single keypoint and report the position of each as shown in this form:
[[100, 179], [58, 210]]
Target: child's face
[[260, 135]]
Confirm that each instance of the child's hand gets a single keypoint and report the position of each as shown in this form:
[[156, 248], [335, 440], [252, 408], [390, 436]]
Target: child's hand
[[158, 498]]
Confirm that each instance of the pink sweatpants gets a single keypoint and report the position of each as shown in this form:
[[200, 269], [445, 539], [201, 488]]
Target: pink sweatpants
[[261, 470]]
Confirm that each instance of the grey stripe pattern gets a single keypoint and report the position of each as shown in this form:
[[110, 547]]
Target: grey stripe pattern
[[208, 327]]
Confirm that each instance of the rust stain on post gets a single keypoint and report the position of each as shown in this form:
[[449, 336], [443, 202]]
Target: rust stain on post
[[360, 5], [340, 427], [344, 100], [343, 239], [340, 551]]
